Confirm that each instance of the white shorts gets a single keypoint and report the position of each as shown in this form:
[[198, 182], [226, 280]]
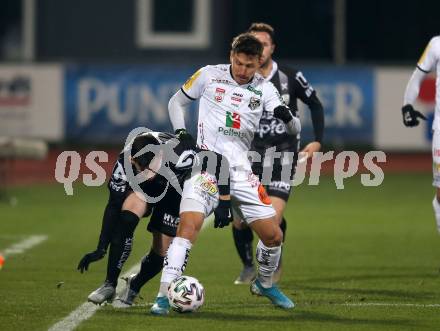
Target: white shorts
[[250, 201], [200, 194], [436, 158]]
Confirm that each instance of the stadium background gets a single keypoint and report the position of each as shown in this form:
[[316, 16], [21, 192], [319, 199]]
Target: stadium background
[[79, 75]]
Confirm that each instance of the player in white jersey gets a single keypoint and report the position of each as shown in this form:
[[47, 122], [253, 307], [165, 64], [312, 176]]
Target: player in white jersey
[[429, 61], [232, 98]]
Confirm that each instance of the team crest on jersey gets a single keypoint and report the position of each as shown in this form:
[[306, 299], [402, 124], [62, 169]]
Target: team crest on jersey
[[219, 94], [254, 103], [232, 120]]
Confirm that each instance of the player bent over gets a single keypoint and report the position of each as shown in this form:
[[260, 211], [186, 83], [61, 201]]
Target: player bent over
[[232, 100], [171, 162]]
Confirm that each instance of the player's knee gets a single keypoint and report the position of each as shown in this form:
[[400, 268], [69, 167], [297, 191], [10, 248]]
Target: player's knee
[[274, 238], [129, 221]]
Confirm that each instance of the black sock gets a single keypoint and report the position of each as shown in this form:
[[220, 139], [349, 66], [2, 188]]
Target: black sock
[[283, 227], [110, 221], [151, 265], [121, 244], [243, 242]]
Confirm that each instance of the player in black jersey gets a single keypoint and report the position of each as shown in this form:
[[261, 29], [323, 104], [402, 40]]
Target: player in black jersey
[[292, 86], [151, 164]]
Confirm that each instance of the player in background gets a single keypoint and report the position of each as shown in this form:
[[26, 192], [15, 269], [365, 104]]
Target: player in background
[[231, 102], [292, 85], [429, 61], [126, 206]]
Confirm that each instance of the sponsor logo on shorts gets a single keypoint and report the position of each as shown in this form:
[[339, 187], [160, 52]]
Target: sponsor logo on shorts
[[170, 220], [279, 185], [207, 185]]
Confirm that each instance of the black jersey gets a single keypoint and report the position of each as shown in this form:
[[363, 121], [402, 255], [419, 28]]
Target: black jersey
[[177, 168], [292, 86]]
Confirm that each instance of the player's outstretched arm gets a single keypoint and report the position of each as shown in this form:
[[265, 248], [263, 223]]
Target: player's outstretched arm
[[177, 105], [410, 115], [88, 258], [176, 108]]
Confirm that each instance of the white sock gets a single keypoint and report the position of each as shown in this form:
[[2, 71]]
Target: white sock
[[175, 263], [268, 258], [436, 207]]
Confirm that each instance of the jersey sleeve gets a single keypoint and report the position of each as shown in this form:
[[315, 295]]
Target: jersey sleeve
[[195, 85], [430, 56], [302, 88], [272, 98]]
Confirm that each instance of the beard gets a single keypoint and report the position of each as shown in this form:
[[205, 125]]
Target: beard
[[265, 63]]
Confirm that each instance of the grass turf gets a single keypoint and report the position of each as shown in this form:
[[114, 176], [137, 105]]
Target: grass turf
[[349, 256]]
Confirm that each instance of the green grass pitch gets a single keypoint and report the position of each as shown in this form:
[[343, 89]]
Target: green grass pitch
[[362, 258]]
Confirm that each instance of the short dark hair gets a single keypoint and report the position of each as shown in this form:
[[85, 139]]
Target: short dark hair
[[247, 44], [263, 27], [140, 142]]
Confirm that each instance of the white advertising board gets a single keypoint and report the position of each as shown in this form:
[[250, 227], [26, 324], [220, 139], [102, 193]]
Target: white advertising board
[[31, 104]]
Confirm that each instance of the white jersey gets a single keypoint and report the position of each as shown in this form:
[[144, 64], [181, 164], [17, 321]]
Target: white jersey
[[429, 61], [229, 113]]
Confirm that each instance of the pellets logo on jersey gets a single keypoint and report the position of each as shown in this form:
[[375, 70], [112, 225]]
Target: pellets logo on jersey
[[191, 80], [254, 103], [232, 120], [219, 94]]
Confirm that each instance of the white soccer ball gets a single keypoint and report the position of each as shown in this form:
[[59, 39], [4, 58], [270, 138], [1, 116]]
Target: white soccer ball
[[186, 294]]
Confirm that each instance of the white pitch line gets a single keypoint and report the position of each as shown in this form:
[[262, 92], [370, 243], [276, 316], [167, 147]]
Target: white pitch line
[[392, 304], [24, 245], [88, 309]]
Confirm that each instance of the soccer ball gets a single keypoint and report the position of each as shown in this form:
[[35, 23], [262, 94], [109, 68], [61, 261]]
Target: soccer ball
[[186, 294]]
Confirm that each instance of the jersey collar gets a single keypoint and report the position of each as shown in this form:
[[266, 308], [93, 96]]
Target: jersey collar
[[272, 73], [256, 77]]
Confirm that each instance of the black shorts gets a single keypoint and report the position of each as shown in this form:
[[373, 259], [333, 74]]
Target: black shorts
[[277, 186], [164, 214]]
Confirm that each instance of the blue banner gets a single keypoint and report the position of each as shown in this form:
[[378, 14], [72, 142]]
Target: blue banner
[[347, 95], [104, 103]]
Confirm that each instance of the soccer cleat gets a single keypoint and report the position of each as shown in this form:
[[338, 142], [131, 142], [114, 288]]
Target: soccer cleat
[[126, 298], [161, 306], [247, 275], [104, 293], [274, 294]]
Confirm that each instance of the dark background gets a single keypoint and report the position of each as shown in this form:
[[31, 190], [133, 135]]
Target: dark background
[[388, 32]]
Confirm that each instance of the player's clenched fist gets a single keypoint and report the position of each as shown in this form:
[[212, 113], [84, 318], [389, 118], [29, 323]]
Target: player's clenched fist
[[411, 116]]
